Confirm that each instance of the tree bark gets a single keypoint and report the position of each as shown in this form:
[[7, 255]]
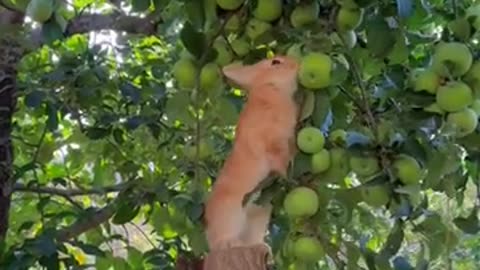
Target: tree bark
[[10, 54], [241, 258]]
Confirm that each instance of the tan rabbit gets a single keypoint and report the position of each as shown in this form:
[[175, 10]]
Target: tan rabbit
[[264, 144]]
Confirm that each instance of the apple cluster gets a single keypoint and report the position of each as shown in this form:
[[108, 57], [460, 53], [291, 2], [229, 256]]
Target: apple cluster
[[243, 32], [302, 202], [453, 76]]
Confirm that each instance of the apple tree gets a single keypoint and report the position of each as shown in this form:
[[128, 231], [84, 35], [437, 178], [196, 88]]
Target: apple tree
[[115, 120]]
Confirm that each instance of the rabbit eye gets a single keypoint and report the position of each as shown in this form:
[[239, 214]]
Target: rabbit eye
[[276, 62]]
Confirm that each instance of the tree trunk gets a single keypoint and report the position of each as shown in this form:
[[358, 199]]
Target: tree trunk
[[10, 54], [242, 258]]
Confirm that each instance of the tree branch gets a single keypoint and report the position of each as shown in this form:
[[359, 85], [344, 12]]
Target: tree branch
[[117, 22], [68, 192], [98, 22], [86, 224]]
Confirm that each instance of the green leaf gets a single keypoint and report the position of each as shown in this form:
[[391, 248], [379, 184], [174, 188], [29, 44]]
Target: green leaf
[[96, 133], [394, 240], [126, 211], [380, 39], [91, 249], [195, 42], [177, 108], [135, 258], [400, 263], [140, 5], [52, 31], [50, 262], [322, 108], [195, 13], [308, 105], [226, 112], [435, 164], [470, 224], [52, 120], [34, 99]]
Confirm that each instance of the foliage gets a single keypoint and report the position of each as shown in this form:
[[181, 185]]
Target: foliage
[[106, 126]]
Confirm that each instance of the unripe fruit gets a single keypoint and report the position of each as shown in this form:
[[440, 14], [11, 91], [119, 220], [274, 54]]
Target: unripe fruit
[[229, 4], [407, 169], [320, 161], [315, 70], [349, 19], [454, 96], [40, 10], [301, 202], [310, 140], [185, 72], [304, 14], [308, 249], [209, 76], [464, 122], [451, 57], [268, 10]]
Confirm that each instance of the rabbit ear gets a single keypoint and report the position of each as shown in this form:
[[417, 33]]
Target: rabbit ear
[[240, 75]]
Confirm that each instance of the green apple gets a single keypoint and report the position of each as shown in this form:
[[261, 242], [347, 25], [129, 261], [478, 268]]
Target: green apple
[[310, 140], [364, 165], [315, 70], [229, 4], [375, 195], [320, 161], [348, 18], [464, 122], [472, 77], [304, 14], [454, 96], [460, 28], [255, 28], [407, 169], [40, 10], [452, 58], [61, 21], [426, 80], [308, 249], [476, 106], [268, 10], [301, 202], [473, 15], [338, 136], [185, 72], [210, 76], [225, 55], [241, 46]]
